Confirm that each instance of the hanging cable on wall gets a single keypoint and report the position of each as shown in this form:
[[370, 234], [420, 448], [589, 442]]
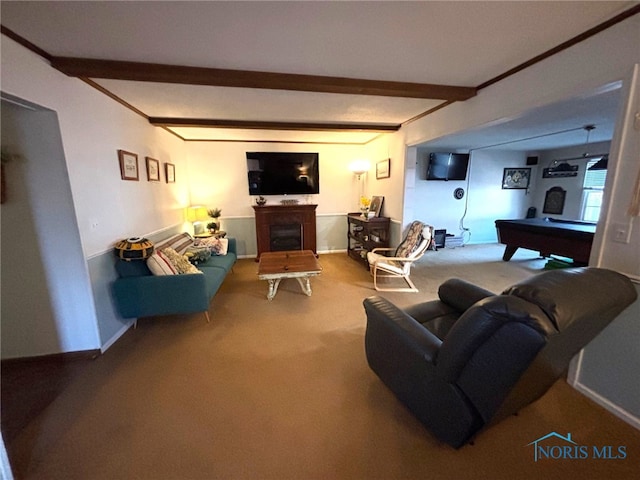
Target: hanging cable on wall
[[464, 230]]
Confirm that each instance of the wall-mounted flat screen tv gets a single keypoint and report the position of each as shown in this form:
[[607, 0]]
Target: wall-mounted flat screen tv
[[447, 166], [283, 173]]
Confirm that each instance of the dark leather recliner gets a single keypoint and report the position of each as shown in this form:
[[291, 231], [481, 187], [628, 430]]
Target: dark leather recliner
[[473, 358]]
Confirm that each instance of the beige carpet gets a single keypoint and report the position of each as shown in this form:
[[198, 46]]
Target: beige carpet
[[281, 390]]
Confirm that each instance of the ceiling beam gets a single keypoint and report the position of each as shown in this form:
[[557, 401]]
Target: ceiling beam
[[154, 72], [261, 125]]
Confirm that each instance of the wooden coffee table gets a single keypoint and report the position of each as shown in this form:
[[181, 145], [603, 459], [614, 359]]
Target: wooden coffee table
[[298, 264]]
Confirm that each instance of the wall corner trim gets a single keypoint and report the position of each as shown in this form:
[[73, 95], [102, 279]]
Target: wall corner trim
[[616, 410]]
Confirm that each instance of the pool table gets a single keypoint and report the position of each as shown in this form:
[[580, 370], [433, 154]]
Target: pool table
[[566, 238]]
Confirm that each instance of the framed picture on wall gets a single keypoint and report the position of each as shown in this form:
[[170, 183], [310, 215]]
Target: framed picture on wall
[[516, 178], [153, 169], [128, 165], [382, 169], [554, 201], [170, 172]]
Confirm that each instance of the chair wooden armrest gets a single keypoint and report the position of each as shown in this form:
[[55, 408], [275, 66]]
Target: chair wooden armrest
[[396, 259], [382, 249]]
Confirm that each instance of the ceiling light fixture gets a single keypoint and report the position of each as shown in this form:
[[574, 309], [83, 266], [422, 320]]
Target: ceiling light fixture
[[561, 167], [586, 155], [588, 128]]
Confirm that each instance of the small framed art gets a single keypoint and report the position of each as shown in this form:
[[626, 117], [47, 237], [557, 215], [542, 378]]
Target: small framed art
[[554, 201], [382, 169], [376, 205], [128, 165], [153, 169], [170, 172], [516, 178]]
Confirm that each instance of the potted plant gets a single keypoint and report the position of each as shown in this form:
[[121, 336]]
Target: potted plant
[[215, 214]]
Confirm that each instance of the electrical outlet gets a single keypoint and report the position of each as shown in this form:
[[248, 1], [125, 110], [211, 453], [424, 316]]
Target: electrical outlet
[[621, 232]]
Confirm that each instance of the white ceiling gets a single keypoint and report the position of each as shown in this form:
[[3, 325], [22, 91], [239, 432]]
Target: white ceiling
[[447, 43]]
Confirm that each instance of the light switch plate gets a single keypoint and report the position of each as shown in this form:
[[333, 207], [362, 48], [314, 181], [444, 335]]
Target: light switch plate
[[621, 232]]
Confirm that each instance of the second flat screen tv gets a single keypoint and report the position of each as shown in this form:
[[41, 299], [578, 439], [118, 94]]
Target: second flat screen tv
[[447, 166], [283, 173]]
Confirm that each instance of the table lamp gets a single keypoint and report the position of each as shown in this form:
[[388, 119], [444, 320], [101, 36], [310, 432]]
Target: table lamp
[[196, 214]]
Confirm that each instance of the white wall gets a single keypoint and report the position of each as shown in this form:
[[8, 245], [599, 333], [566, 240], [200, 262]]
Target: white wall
[[622, 175], [92, 128], [47, 306], [393, 147], [218, 178], [607, 368], [484, 201]]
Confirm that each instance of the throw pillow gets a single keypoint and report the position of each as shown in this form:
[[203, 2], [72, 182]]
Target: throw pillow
[[159, 264], [198, 254], [217, 246], [180, 262]]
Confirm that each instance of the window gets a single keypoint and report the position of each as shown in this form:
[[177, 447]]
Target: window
[[592, 190]]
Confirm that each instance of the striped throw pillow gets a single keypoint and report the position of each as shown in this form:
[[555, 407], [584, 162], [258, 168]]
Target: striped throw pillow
[[159, 264]]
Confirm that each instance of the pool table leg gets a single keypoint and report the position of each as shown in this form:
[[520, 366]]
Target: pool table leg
[[509, 250]]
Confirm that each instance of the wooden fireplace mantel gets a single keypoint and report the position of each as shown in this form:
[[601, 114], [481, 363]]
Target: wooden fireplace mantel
[[268, 215]]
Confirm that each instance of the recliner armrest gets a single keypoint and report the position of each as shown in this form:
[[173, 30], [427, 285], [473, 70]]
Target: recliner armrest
[[388, 325]]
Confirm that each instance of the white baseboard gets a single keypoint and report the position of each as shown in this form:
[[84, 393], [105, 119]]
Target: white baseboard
[[115, 337], [619, 412]]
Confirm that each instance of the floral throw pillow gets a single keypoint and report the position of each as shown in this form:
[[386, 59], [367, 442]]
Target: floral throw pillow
[[217, 246], [198, 255], [181, 262]]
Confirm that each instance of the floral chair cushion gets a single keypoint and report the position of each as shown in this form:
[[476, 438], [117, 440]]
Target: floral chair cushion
[[411, 241]]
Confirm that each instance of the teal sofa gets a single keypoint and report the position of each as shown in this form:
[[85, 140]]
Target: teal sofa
[[138, 293]]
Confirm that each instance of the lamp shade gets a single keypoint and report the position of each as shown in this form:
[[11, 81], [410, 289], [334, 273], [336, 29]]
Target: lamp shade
[[359, 166], [134, 248], [196, 213]]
